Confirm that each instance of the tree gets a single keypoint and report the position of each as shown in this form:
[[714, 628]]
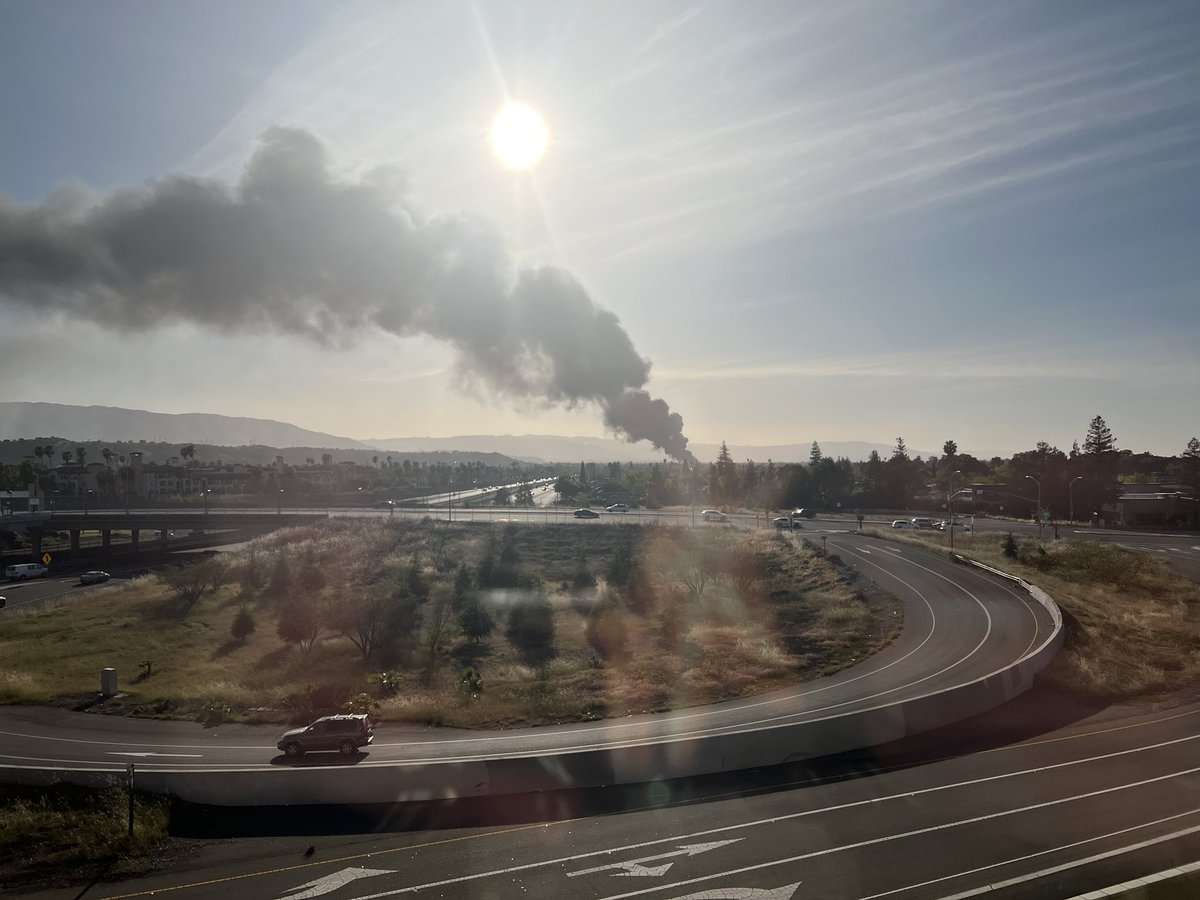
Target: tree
[[900, 451], [475, 620], [950, 449], [327, 459], [300, 621], [1100, 460], [80, 456], [531, 631], [1191, 468], [1099, 438], [243, 625], [66, 457], [279, 586], [191, 581], [360, 616], [188, 453], [439, 627], [814, 454]]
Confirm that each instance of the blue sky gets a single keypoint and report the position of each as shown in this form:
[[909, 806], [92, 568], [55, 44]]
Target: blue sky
[[831, 221]]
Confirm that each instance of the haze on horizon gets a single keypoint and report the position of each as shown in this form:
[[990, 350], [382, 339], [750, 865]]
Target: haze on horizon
[[845, 223]]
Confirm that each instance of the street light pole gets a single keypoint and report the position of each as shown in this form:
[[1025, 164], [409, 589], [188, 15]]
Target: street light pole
[[1071, 496], [952, 501], [1039, 505], [206, 492], [279, 503]]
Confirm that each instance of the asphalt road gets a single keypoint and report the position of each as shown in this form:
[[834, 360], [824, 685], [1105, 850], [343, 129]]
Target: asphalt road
[[1027, 801], [960, 625]]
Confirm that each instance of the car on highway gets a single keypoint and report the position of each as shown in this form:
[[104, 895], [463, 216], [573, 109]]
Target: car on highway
[[953, 526], [714, 515], [902, 523], [806, 513], [343, 733], [95, 576], [922, 522], [22, 571], [384, 504], [586, 514], [617, 507], [782, 522]]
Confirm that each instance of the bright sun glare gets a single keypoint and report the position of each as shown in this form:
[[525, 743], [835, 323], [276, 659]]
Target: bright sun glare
[[519, 136]]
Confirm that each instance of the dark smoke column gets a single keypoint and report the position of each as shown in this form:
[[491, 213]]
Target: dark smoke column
[[291, 249]]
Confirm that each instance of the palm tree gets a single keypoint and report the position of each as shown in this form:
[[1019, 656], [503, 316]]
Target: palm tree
[[66, 457], [188, 453], [80, 455]]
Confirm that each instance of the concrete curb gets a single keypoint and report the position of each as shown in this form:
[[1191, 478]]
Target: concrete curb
[[620, 763]]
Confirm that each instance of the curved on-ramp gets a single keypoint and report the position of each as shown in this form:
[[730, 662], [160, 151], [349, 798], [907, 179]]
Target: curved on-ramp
[[973, 639]]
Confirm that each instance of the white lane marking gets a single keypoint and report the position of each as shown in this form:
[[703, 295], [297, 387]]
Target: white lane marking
[[864, 550], [893, 550], [686, 850], [906, 796], [893, 837], [1054, 870], [180, 755], [333, 882], [739, 893]]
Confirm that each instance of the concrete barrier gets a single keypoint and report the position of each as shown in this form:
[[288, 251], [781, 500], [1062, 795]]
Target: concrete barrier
[[620, 763]]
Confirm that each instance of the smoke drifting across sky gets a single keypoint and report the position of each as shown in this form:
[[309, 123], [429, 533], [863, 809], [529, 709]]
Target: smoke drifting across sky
[[294, 250]]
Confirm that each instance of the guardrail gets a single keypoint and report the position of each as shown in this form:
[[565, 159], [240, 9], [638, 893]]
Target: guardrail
[[621, 763]]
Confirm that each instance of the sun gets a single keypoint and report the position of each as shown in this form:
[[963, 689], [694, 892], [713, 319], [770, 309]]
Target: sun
[[519, 136]]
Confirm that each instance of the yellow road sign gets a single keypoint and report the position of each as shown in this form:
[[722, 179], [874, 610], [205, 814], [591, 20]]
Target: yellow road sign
[[46, 557]]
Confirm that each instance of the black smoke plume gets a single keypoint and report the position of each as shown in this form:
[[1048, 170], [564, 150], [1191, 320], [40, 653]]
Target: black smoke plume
[[292, 249]]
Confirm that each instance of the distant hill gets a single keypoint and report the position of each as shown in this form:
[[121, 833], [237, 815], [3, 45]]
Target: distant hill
[[111, 423], [241, 439]]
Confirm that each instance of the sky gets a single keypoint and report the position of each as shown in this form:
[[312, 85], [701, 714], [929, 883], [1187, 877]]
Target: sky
[[830, 222]]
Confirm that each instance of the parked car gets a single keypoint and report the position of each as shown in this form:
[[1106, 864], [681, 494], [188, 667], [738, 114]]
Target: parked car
[[586, 514], [22, 571], [617, 507], [714, 515], [902, 523], [344, 733], [95, 576]]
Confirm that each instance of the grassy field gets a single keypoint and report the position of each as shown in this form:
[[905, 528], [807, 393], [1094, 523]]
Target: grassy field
[[70, 835], [1133, 627], [390, 617]]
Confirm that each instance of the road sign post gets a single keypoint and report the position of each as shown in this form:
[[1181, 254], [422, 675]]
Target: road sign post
[[129, 785]]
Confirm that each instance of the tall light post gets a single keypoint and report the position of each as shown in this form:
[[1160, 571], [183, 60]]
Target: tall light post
[[1071, 496], [205, 494], [1039, 505], [279, 503], [952, 500]]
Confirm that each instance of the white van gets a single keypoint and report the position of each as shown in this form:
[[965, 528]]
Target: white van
[[21, 571], [922, 522]]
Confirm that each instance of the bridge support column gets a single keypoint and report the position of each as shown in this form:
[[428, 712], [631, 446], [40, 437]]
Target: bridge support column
[[74, 540], [134, 533], [106, 540], [162, 539], [35, 541]]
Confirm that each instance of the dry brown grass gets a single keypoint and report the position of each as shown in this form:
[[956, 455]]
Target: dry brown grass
[[717, 613], [1133, 627]]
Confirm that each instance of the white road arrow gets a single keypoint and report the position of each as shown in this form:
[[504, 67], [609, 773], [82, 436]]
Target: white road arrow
[[735, 893], [635, 867], [180, 755], [332, 882]]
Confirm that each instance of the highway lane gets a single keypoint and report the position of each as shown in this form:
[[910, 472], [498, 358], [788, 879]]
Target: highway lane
[[41, 592], [1074, 808], [959, 626]]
